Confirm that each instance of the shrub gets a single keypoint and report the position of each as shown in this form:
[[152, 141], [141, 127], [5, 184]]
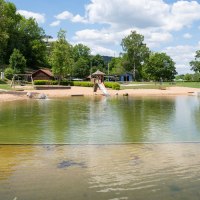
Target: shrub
[[83, 84], [9, 72], [113, 85], [51, 82], [45, 82], [66, 82]]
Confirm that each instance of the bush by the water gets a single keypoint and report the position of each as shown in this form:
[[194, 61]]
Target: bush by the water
[[45, 82], [113, 85], [52, 82], [83, 83]]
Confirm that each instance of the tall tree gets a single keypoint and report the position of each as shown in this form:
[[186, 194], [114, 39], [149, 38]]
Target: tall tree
[[61, 56], [97, 62], [8, 23], [81, 51], [31, 42], [116, 66], [160, 66], [136, 51], [195, 64], [17, 61], [82, 61]]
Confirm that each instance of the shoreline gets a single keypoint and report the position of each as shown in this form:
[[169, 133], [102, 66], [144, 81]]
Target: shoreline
[[88, 91]]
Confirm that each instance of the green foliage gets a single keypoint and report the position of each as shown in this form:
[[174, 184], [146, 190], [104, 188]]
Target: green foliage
[[98, 63], [17, 32], [116, 66], [136, 52], [9, 72], [195, 64], [8, 21], [81, 68], [45, 82], [17, 61], [189, 77], [51, 82], [113, 85], [83, 84], [81, 51], [81, 56], [160, 66], [61, 57]]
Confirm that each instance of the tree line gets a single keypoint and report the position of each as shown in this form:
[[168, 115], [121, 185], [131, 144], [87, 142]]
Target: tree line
[[25, 46]]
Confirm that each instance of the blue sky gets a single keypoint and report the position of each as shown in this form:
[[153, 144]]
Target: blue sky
[[170, 26]]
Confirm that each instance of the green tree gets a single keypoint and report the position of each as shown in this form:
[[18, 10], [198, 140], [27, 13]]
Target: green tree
[[8, 26], [81, 51], [17, 61], [188, 77], [82, 61], [195, 64], [116, 66], [97, 63], [81, 68], [160, 66], [136, 52], [31, 43], [24, 34], [61, 56]]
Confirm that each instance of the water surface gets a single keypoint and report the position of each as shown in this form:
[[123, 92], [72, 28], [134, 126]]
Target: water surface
[[100, 148], [101, 121]]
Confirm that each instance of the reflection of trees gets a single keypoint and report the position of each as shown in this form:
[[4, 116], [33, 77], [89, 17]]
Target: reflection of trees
[[197, 117], [145, 118], [20, 121], [197, 114]]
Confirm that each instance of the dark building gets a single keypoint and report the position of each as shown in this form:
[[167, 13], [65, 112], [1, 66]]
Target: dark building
[[43, 74]]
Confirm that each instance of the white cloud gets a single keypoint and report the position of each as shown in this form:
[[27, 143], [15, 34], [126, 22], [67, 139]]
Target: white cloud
[[183, 14], [78, 18], [40, 18], [128, 12], [155, 19], [55, 23], [182, 55], [143, 13], [187, 36], [64, 15]]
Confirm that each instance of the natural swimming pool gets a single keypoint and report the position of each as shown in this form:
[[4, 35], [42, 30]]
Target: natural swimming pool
[[100, 148]]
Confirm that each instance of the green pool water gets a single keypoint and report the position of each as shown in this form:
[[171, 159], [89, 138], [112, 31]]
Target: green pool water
[[100, 120], [100, 148]]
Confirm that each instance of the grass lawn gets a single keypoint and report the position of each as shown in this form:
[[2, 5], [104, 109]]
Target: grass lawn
[[153, 85], [188, 84], [5, 87]]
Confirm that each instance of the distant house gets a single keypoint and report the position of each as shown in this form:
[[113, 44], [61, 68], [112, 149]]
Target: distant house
[[42, 74], [126, 77]]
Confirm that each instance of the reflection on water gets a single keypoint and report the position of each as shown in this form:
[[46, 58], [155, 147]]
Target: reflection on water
[[100, 120], [142, 171], [145, 148]]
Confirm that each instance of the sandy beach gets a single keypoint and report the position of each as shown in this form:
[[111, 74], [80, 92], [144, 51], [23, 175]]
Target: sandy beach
[[86, 91]]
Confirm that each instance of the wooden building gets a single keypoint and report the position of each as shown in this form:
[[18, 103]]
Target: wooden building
[[43, 74]]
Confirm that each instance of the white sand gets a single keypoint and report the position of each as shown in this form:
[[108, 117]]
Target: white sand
[[86, 91]]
